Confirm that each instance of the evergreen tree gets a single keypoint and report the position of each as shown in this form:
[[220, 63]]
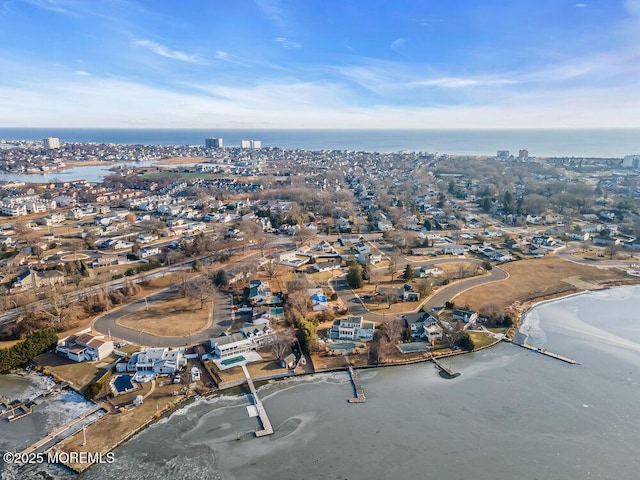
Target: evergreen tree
[[408, 272], [354, 276]]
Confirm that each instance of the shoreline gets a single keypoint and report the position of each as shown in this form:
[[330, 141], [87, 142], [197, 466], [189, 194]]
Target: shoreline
[[190, 399]]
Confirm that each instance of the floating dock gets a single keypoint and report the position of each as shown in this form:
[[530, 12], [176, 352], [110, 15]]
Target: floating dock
[[546, 352], [258, 408], [357, 387]]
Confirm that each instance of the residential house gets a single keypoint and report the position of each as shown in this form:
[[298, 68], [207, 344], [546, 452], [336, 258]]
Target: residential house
[[429, 270], [467, 316], [352, 328], [233, 344], [318, 299], [86, 346], [417, 323], [327, 266], [157, 361], [31, 279]]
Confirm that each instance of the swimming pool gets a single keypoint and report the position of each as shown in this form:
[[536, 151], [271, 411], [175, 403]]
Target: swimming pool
[[231, 361], [122, 383]]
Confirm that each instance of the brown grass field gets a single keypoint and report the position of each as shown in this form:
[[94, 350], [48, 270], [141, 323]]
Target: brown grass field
[[538, 279], [174, 317], [181, 160]]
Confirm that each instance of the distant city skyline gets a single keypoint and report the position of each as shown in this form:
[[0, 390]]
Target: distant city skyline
[[320, 64]]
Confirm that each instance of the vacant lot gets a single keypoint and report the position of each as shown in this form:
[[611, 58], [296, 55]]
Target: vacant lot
[[174, 317], [537, 279]]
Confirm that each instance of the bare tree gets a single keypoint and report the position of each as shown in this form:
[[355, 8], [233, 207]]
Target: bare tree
[[300, 302], [57, 307], [272, 268], [393, 266], [200, 289], [282, 342]]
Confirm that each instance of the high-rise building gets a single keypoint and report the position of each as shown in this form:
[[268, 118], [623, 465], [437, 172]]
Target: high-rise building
[[51, 143], [251, 144], [523, 155], [631, 161], [213, 143]]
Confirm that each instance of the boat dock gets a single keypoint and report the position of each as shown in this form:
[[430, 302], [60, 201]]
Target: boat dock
[[15, 410], [56, 433], [257, 409], [444, 369], [546, 352], [357, 386]]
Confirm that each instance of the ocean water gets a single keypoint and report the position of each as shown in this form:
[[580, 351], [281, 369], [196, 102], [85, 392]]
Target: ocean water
[[512, 414], [541, 142]]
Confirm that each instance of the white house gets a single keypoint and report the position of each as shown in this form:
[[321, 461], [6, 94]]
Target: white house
[[158, 361], [85, 346], [234, 344], [467, 316], [327, 266], [352, 328], [429, 270]]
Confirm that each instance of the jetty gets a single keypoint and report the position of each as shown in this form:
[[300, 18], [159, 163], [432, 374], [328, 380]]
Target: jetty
[[547, 353], [444, 369], [357, 386], [257, 409]]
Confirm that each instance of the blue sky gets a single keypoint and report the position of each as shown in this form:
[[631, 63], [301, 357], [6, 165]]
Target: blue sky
[[320, 63]]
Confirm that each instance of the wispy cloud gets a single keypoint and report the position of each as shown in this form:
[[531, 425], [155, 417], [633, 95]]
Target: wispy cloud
[[82, 73], [455, 82], [165, 51], [397, 44], [273, 11], [286, 43], [581, 5]]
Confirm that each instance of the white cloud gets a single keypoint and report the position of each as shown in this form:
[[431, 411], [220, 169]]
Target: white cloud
[[109, 102], [397, 43], [581, 5], [454, 82], [165, 51], [286, 43], [82, 73]]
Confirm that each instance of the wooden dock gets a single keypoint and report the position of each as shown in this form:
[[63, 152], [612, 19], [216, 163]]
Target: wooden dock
[[357, 387], [444, 369], [261, 413], [546, 352], [56, 433]]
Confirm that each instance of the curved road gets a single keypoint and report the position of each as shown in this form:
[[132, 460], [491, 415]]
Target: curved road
[[356, 306], [222, 318]]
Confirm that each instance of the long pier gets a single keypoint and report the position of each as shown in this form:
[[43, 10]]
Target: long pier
[[357, 386], [546, 352], [260, 411]]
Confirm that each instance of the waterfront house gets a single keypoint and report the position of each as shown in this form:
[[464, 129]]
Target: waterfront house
[[157, 361], [352, 328], [417, 323], [85, 346], [233, 344]]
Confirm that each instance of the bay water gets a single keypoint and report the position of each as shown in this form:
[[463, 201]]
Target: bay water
[[512, 414]]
